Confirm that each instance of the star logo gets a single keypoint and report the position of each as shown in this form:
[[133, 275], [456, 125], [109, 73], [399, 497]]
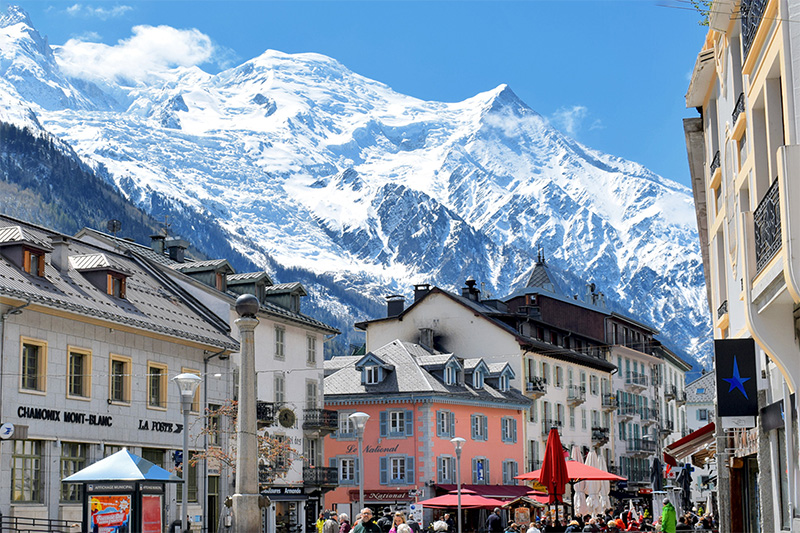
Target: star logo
[[736, 381]]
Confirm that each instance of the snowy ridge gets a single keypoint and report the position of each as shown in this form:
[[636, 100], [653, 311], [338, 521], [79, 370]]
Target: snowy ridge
[[317, 167]]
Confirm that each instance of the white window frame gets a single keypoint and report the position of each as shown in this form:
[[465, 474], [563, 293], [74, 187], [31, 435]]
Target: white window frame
[[372, 375], [450, 375], [347, 470], [397, 422], [397, 464]]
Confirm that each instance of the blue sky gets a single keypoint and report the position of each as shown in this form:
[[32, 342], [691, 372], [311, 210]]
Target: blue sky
[[612, 74]]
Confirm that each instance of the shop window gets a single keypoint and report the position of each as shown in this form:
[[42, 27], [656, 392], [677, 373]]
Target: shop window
[[73, 459], [79, 378], [33, 371], [26, 472], [154, 455], [190, 479]]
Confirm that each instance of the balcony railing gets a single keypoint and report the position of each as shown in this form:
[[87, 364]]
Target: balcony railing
[[681, 398], [321, 476], [600, 435], [548, 423], [626, 410], [738, 109], [576, 395], [723, 309], [536, 387], [265, 413], [609, 401], [669, 392], [636, 379], [534, 464], [767, 218], [751, 12], [715, 163], [320, 420], [667, 426]]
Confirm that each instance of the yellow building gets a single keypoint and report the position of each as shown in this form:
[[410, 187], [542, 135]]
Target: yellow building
[[744, 157]]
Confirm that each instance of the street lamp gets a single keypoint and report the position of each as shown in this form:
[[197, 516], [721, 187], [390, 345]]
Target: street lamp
[[187, 384], [458, 442], [359, 420]]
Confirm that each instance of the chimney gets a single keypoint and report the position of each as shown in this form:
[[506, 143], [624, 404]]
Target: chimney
[[395, 304], [59, 258], [426, 337], [157, 243], [177, 249], [470, 291], [420, 290]]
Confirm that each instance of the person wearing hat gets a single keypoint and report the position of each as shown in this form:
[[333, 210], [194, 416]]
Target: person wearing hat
[[386, 521], [669, 519]]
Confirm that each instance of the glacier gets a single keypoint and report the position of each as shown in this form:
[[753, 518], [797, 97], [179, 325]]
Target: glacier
[[308, 165]]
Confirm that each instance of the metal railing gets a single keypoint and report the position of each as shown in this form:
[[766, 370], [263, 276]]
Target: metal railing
[[716, 162], [547, 424], [723, 308], [681, 397], [636, 379], [626, 409], [321, 476], [609, 401], [669, 392], [600, 434], [536, 386], [751, 12], [738, 109], [320, 419], [667, 426], [265, 413], [18, 524], [767, 219], [576, 394]]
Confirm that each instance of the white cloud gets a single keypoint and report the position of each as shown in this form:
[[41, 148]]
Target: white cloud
[[143, 57], [571, 120], [103, 13]]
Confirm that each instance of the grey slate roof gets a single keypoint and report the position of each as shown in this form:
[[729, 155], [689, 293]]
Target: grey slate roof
[[282, 288], [541, 278], [249, 277], [148, 254], [408, 377], [199, 266], [149, 304], [19, 235], [703, 389], [99, 261]]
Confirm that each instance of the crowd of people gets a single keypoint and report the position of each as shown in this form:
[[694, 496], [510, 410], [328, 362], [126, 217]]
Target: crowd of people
[[607, 522]]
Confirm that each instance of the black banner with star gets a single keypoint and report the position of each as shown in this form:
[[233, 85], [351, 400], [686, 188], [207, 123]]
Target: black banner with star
[[735, 364]]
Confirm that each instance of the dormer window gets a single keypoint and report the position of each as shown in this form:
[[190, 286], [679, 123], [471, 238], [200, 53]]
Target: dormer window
[[477, 380], [33, 262], [372, 375], [503, 383], [116, 285], [450, 375]]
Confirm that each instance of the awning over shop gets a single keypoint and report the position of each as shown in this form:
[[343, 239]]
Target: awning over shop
[[499, 492], [699, 444]]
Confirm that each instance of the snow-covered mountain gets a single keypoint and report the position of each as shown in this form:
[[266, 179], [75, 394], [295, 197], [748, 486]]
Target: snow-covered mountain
[[306, 164]]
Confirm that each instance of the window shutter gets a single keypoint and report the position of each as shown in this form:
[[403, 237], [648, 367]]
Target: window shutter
[[513, 430], [474, 420], [474, 470], [356, 470], [503, 422], [332, 462], [485, 425], [452, 416], [439, 416], [451, 474], [486, 477], [363, 376], [514, 472], [384, 423], [384, 476], [409, 470], [409, 416]]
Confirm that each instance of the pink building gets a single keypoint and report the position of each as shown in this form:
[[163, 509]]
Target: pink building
[[417, 401]]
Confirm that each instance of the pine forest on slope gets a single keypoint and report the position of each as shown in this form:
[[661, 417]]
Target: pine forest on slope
[[298, 163]]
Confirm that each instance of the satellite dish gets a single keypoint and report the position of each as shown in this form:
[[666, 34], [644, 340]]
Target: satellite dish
[[114, 225]]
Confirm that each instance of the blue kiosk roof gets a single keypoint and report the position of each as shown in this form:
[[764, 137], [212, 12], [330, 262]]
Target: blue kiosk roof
[[123, 466]]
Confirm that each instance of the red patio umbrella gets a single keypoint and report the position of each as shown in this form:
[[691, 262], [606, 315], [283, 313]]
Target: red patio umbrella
[[468, 501], [553, 475], [577, 471]]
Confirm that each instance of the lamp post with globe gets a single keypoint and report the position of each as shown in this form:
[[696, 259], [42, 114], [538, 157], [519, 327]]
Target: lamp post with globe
[[458, 442], [187, 383], [360, 421]]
